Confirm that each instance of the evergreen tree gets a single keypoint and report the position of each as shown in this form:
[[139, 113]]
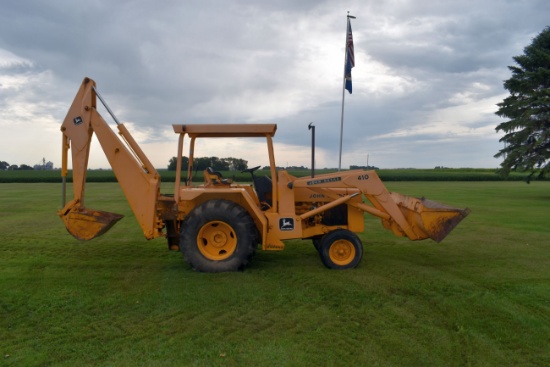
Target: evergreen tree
[[527, 139]]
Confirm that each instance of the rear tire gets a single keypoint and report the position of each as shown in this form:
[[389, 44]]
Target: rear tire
[[341, 249], [218, 236]]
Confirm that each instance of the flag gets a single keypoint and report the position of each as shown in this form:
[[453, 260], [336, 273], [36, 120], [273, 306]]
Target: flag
[[350, 58]]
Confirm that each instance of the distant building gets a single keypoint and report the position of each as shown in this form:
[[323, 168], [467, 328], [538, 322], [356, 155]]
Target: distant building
[[45, 166]]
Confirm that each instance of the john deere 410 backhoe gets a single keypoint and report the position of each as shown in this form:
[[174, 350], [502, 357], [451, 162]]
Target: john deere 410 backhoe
[[218, 225]]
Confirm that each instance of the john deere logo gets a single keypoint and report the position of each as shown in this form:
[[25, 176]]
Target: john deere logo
[[77, 120], [286, 224]]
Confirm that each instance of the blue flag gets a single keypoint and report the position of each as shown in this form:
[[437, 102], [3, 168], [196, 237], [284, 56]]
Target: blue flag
[[350, 58]]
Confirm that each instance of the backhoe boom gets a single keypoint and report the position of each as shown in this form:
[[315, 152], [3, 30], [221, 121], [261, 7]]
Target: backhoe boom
[[137, 177]]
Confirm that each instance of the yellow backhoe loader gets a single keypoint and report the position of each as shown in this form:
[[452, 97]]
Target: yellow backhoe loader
[[218, 224]]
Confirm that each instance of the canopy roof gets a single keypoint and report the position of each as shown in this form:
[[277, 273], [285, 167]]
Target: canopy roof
[[226, 130]]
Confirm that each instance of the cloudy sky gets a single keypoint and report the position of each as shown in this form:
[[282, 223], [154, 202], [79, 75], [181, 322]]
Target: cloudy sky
[[427, 78]]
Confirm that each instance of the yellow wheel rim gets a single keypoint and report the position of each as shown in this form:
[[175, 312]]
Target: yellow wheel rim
[[217, 240], [341, 252]]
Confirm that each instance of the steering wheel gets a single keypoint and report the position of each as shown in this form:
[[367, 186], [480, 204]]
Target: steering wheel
[[250, 170]]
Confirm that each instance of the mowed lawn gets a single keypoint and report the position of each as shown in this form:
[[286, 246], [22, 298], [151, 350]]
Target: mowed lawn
[[480, 298]]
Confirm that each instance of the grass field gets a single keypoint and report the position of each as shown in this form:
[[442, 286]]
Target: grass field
[[480, 298]]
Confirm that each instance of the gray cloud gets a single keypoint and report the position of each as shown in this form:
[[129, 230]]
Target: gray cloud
[[426, 79]]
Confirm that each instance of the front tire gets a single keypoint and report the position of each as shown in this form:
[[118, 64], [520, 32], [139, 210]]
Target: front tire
[[218, 236], [341, 249]]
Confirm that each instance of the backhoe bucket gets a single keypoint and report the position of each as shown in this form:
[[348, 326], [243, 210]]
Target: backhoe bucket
[[429, 219], [85, 224]]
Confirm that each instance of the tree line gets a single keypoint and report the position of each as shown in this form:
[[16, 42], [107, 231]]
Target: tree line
[[217, 164], [5, 166]]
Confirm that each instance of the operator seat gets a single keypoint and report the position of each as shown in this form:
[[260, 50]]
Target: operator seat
[[214, 178], [264, 189]]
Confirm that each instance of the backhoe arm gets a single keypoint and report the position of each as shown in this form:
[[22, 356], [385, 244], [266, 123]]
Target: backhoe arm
[[137, 177]]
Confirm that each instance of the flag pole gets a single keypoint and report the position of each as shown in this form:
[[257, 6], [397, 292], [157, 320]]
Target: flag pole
[[344, 90]]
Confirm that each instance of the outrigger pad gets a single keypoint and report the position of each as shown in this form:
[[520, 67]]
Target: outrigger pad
[[86, 224]]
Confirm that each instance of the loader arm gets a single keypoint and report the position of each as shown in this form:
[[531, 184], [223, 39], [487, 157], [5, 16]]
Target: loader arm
[[137, 177], [414, 218]]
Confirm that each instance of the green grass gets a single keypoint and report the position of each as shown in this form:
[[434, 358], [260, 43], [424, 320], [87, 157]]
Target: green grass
[[480, 298]]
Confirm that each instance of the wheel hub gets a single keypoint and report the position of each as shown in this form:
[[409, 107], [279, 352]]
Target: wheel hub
[[217, 240], [342, 252]]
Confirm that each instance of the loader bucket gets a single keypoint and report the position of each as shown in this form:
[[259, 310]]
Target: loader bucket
[[85, 224], [429, 219]]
